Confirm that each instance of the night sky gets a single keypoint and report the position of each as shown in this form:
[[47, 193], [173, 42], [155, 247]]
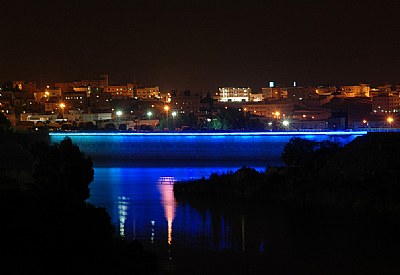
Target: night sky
[[201, 45]]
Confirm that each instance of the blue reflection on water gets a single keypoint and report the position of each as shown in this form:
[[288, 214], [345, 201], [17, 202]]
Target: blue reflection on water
[[194, 146], [142, 206]]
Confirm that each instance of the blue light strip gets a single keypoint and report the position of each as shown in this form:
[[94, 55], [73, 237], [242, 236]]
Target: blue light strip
[[330, 133]]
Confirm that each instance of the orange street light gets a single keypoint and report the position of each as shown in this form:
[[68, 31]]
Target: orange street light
[[166, 108], [62, 107], [390, 120]]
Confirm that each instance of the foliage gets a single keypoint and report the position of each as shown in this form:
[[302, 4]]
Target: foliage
[[298, 151], [363, 175], [47, 228], [4, 122], [62, 169]]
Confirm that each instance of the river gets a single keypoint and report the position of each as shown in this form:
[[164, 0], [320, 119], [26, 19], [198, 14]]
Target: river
[[134, 176], [225, 237]]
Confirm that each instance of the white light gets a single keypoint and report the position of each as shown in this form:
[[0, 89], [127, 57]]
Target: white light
[[118, 113], [285, 123]]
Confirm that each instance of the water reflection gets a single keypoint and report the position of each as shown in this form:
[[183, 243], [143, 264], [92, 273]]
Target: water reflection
[[165, 186], [142, 206], [123, 203]]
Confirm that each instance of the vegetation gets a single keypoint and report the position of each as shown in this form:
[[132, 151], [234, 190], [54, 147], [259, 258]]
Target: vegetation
[[4, 122], [48, 228], [362, 175]]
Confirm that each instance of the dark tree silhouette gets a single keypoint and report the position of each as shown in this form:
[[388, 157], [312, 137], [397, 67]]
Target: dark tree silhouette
[[63, 169], [298, 151]]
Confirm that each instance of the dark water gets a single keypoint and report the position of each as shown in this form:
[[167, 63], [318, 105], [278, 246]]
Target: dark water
[[225, 237]]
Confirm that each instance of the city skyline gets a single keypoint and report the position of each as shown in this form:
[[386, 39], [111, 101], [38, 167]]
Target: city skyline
[[202, 45]]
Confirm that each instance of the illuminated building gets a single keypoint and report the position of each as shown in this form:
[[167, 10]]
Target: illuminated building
[[148, 92], [75, 100], [325, 90], [385, 104], [119, 91], [26, 86], [95, 84], [230, 94], [271, 93], [100, 102], [256, 97], [270, 109], [361, 90], [185, 102]]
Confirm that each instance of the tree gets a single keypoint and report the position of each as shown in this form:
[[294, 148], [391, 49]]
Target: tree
[[62, 169], [298, 151], [4, 122]]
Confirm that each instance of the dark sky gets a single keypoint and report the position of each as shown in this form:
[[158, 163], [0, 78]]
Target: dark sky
[[201, 45]]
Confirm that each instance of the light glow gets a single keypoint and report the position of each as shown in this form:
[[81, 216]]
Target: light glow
[[283, 133], [166, 188]]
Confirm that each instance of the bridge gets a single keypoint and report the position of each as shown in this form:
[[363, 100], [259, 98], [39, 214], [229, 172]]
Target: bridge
[[187, 146]]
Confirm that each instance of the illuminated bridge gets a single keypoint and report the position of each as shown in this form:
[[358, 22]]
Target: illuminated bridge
[[255, 146]]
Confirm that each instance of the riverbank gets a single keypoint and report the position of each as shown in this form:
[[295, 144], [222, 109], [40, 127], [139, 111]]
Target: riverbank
[[47, 226], [362, 175], [313, 241]]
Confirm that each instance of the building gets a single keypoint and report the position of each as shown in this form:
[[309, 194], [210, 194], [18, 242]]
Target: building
[[256, 97], [231, 94], [100, 102], [325, 90], [47, 93], [26, 86], [185, 102], [384, 103], [275, 109], [271, 93], [148, 92], [98, 84], [309, 113], [75, 100], [120, 91], [52, 105], [361, 90]]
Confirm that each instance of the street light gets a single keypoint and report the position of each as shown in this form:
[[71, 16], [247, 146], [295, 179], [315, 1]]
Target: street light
[[62, 107], [174, 113], [390, 120], [166, 108], [285, 123], [149, 114]]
